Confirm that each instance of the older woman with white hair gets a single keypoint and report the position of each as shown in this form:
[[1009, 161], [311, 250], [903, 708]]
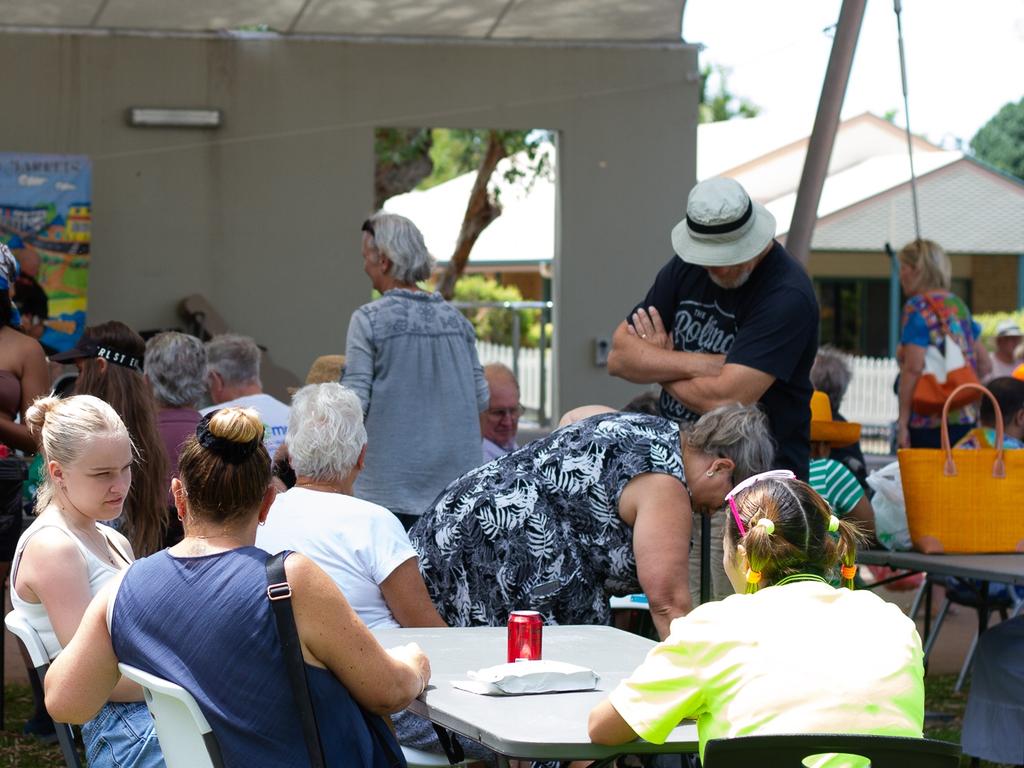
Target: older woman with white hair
[[411, 358], [601, 507], [361, 546]]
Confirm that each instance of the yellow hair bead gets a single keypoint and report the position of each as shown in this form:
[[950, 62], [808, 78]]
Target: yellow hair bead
[[753, 577]]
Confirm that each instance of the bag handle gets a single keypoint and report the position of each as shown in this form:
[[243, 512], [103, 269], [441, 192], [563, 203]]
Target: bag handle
[[280, 594], [998, 466]]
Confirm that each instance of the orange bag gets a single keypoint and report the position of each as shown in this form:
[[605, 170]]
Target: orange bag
[[944, 372], [964, 501]]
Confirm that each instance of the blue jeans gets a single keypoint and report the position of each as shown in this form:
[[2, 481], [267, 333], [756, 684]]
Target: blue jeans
[[122, 736]]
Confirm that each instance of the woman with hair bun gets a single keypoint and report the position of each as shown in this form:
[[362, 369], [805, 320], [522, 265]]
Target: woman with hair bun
[[791, 655], [66, 556], [109, 357], [214, 582]]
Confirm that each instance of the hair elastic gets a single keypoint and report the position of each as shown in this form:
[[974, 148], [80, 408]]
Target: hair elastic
[[753, 577], [833, 523], [771, 474], [229, 450], [848, 572], [767, 524]]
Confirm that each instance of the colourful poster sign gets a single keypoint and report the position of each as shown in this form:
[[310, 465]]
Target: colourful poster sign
[[46, 220]]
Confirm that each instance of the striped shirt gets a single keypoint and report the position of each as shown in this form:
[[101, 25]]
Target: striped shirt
[[836, 484]]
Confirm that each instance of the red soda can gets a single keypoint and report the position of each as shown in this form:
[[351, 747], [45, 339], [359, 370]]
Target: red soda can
[[524, 635]]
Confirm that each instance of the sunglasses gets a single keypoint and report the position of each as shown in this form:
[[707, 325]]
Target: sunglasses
[[771, 474]]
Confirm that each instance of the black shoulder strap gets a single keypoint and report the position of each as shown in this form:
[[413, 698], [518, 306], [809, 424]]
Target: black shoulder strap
[[280, 594]]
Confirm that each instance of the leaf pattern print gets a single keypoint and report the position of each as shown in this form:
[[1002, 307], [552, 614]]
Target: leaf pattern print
[[539, 528]]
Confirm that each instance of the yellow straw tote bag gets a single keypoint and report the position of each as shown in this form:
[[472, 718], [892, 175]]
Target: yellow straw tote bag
[[964, 501]]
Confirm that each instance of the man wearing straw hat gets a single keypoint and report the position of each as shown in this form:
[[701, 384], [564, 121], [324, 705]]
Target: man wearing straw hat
[[836, 484], [731, 317]]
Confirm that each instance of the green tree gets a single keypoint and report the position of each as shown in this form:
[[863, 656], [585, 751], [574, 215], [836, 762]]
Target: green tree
[[401, 161], [410, 158], [1000, 142], [494, 324], [723, 104]]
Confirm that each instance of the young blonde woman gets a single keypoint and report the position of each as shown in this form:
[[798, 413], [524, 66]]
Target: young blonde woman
[[791, 655], [229, 657], [67, 555]]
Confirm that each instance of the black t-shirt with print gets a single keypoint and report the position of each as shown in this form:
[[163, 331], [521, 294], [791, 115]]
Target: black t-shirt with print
[[769, 323]]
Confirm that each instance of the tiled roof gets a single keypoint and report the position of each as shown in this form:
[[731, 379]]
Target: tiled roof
[[964, 205]]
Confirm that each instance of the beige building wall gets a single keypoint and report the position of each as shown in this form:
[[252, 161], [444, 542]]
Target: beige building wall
[[993, 277], [262, 216], [994, 286]]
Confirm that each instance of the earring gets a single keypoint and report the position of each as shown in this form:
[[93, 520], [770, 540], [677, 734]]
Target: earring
[[710, 473]]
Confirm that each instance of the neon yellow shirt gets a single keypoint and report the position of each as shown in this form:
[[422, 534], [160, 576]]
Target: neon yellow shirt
[[803, 657]]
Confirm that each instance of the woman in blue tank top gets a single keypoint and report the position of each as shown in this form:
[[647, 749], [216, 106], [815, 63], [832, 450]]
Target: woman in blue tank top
[[197, 614]]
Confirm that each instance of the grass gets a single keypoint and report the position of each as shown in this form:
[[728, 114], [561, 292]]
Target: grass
[[18, 751], [942, 700]]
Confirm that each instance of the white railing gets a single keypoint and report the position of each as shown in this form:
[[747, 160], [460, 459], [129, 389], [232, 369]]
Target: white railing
[[530, 391]]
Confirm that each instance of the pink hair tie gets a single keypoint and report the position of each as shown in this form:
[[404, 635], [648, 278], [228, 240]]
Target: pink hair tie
[[771, 474]]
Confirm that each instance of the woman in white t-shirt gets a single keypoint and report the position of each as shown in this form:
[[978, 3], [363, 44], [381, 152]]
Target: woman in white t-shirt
[[793, 654], [361, 545]]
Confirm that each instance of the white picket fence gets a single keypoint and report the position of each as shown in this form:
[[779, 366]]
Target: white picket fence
[[870, 399], [529, 372]]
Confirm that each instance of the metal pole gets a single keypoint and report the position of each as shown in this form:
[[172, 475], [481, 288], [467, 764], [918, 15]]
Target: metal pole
[[819, 148], [894, 300], [542, 416], [516, 341], [906, 113], [705, 559]]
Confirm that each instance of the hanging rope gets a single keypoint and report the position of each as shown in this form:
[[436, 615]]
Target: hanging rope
[[906, 111]]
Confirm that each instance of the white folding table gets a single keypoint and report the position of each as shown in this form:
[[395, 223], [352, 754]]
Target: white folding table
[[549, 726]]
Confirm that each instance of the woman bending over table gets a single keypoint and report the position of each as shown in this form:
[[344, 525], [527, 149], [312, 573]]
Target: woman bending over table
[[793, 654], [214, 583], [601, 507]]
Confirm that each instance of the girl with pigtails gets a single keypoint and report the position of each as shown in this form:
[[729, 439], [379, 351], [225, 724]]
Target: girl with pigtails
[[790, 653]]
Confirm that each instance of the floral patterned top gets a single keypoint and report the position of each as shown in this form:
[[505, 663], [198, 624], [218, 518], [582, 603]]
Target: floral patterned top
[[922, 327], [539, 528]]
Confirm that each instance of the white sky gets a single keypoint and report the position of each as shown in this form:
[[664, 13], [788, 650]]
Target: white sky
[[965, 58]]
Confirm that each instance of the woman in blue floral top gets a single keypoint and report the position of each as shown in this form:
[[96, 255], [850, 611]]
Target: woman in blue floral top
[[601, 507], [925, 275]]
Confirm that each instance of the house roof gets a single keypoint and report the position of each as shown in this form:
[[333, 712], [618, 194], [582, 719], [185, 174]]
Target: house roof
[[595, 20], [965, 205], [523, 234], [866, 199]]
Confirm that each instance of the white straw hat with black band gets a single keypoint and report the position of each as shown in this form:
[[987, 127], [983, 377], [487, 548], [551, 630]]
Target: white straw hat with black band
[[723, 226]]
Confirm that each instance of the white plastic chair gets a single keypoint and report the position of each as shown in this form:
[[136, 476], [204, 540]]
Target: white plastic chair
[[186, 739], [418, 758], [21, 629]]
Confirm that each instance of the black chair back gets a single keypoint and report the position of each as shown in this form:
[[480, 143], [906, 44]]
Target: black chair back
[[789, 751]]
